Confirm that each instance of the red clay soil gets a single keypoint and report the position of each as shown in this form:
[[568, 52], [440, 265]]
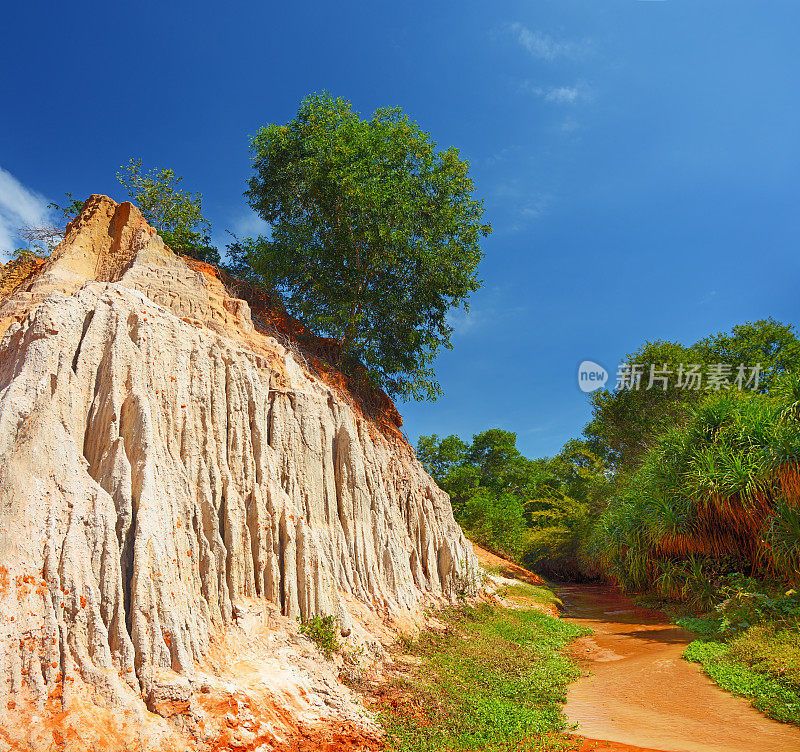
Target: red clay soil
[[637, 688], [16, 272]]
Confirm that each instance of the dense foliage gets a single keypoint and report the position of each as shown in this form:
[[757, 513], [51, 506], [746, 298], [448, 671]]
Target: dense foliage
[[703, 482], [672, 490], [374, 235], [537, 510], [719, 492]]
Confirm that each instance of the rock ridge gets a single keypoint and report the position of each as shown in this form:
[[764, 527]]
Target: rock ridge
[[166, 471]]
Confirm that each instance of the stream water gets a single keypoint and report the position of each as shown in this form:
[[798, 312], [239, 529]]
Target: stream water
[[639, 691]]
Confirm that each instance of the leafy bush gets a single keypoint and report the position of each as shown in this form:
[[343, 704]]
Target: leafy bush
[[771, 650], [495, 520], [707, 626], [747, 603], [322, 630]]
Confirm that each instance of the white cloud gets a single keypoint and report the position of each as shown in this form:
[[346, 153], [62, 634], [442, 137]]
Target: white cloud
[[249, 224], [18, 206], [569, 125], [545, 47], [563, 94], [535, 207], [558, 94]]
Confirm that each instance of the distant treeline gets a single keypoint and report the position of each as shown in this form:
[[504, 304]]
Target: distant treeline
[[670, 489]]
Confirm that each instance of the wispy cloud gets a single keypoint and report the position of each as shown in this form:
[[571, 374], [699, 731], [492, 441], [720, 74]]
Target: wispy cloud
[[249, 224], [503, 156], [18, 206], [523, 204], [491, 309], [544, 47], [569, 125], [580, 92], [535, 207]]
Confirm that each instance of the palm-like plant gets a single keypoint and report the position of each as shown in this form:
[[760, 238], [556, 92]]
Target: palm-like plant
[[723, 486]]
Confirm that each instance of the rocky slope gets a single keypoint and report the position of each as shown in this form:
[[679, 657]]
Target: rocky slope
[[177, 485]]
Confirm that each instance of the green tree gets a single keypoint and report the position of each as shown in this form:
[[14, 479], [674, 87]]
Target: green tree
[[440, 456], [626, 423], [496, 520], [375, 235], [176, 214], [768, 343], [71, 208]]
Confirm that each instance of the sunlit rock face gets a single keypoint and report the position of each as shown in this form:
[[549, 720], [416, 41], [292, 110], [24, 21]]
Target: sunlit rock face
[[168, 469]]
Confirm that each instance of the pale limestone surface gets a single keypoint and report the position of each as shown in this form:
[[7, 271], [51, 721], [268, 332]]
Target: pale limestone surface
[[165, 467]]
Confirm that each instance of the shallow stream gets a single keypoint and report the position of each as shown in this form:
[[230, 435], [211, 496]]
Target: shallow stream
[[639, 691]]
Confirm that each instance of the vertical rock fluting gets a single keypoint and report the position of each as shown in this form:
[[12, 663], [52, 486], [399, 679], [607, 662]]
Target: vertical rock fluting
[[162, 461]]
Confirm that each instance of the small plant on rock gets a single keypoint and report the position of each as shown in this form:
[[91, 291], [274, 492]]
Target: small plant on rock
[[323, 631]]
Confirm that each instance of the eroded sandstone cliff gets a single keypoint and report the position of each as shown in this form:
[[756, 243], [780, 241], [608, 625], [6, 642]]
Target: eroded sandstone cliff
[[177, 485]]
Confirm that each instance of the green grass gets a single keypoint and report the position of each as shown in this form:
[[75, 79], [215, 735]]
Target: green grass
[[495, 679], [523, 591], [761, 664], [707, 626]]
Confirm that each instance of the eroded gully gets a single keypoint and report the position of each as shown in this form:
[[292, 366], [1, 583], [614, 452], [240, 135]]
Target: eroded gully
[[638, 690]]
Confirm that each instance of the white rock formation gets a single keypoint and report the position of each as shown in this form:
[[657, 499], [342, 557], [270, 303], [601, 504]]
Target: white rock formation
[[165, 464]]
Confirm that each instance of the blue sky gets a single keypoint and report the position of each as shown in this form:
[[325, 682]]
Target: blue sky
[[638, 160]]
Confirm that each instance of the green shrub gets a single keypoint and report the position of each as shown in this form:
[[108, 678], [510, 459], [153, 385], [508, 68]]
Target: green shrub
[[770, 650], [322, 630], [748, 602], [707, 626]]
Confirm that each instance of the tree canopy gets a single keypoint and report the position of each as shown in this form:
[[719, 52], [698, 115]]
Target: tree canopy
[[626, 422], [176, 214], [375, 235]]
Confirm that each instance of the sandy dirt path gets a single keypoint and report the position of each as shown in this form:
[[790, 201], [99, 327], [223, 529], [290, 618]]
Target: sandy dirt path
[[639, 691]]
